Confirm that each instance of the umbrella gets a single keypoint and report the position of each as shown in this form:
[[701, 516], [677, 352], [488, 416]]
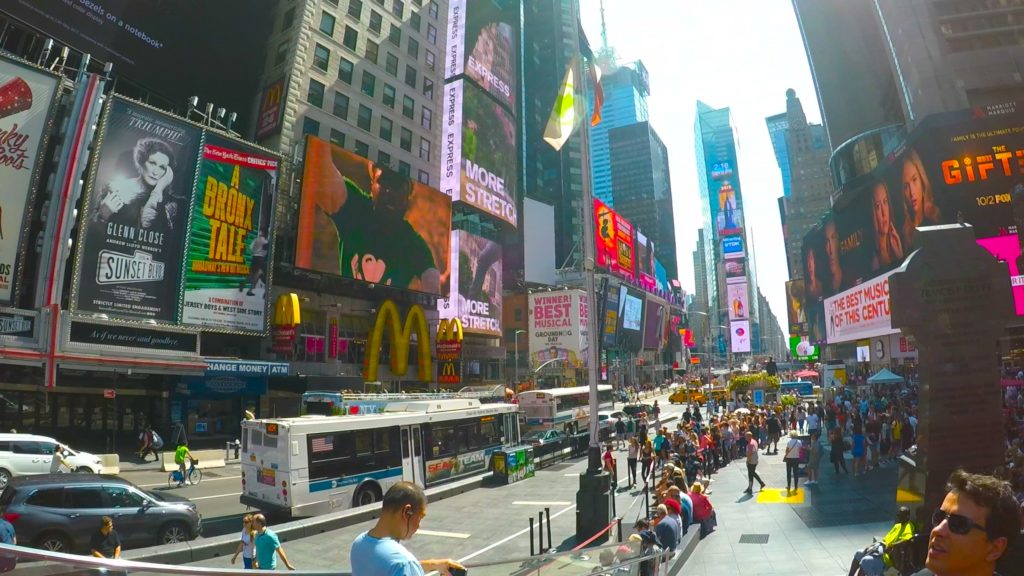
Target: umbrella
[[742, 411], [806, 374], [885, 376]]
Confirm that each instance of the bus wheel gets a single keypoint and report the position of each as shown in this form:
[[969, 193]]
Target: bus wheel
[[367, 495]]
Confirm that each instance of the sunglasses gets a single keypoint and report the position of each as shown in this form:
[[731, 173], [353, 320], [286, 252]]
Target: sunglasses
[[957, 524]]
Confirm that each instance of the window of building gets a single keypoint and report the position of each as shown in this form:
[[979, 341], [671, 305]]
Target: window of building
[[432, 9], [386, 125], [310, 126], [327, 23], [395, 35], [355, 9], [431, 33], [405, 140], [365, 118], [369, 83], [408, 107], [338, 137], [332, 2], [315, 93], [430, 59], [321, 57], [345, 70], [410, 76], [391, 64], [426, 117], [424, 177], [414, 21], [428, 88], [351, 38], [362, 148], [341, 102], [372, 51], [424, 149], [413, 48], [289, 19], [389, 95], [404, 169], [282, 53], [376, 21], [398, 9], [383, 158]]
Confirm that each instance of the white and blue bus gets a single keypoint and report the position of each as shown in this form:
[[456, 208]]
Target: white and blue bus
[[318, 463], [567, 409]]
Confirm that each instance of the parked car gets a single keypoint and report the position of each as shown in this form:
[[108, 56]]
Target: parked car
[[27, 454], [634, 410], [60, 512], [544, 437]]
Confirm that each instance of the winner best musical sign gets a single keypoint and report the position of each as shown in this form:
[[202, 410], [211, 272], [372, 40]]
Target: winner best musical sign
[[861, 312]]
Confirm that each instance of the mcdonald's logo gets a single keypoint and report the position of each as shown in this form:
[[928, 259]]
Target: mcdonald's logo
[[449, 372], [449, 339], [268, 123], [388, 317], [287, 311]]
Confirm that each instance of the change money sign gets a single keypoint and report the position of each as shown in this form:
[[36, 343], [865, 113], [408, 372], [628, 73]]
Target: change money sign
[[229, 242]]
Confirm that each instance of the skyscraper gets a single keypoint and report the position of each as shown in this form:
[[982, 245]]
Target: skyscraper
[[777, 127], [625, 102]]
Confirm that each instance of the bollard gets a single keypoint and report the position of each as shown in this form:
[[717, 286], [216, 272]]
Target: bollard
[[618, 523], [531, 536], [540, 532], [547, 511]]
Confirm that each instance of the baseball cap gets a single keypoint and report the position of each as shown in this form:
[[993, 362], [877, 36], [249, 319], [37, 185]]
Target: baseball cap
[[673, 505]]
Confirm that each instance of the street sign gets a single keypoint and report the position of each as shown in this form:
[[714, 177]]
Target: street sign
[[110, 394]]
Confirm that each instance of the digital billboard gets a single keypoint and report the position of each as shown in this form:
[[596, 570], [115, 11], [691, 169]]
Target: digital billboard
[[795, 307], [136, 214], [613, 237], [226, 266], [737, 301], [631, 308], [611, 316], [360, 221], [645, 262], [271, 111], [860, 312], [479, 165], [26, 99], [814, 264], [483, 45], [802, 350], [729, 219], [654, 325], [558, 327], [735, 270], [740, 334], [474, 295], [732, 247]]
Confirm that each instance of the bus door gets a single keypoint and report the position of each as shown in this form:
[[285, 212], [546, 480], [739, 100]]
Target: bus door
[[412, 455], [510, 429]]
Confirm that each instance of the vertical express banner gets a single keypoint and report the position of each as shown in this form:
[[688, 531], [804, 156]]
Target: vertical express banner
[[136, 210], [225, 284], [26, 98]]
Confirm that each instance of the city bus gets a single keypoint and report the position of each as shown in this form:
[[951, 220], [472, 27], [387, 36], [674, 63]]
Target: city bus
[[566, 408], [330, 403], [319, 463]]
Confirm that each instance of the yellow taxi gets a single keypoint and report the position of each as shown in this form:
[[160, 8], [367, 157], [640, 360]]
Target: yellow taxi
[[686, 396]]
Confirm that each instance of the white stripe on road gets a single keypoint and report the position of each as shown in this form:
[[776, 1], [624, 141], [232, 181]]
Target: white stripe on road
[[217, 496], [507, 538], [573, 474], [532, 503], [204, 479], [442, 534]]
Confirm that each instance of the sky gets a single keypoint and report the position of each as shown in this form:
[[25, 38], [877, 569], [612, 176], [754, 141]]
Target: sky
[[741, 54]]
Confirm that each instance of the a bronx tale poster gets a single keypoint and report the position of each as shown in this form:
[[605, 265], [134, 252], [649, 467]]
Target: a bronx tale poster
[[229, 240], [137, 207]]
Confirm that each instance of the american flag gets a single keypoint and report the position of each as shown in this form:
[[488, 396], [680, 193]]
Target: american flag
[[324, 444]]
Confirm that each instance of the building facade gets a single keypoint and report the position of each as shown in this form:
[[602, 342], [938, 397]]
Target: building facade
[[626, 89], [777, 127]]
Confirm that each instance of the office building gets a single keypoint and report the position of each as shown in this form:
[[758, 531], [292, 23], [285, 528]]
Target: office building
[[777, 127], [625, 102]]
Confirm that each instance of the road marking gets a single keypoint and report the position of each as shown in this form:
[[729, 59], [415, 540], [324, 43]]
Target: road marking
[[217, 496], [532, 503], [507, 538], [443, 534], [204, 479]]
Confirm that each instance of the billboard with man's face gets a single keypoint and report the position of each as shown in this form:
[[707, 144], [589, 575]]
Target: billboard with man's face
[[360, 221]]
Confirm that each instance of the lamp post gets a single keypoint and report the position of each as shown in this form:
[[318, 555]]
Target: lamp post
[[518, 332]]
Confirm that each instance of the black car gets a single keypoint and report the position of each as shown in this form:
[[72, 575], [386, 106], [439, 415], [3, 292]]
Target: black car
[[60, 512], [634, 410]]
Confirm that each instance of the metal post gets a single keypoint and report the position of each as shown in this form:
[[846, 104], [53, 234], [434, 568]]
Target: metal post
[[547, 512], [531, 536], [540, 531], [618, 526]]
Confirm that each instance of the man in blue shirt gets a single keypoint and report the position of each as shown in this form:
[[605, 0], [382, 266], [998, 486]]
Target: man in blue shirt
[[268, 546], [379, 552]]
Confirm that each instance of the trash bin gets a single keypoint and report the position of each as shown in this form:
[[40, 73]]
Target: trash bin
[[513, 464]]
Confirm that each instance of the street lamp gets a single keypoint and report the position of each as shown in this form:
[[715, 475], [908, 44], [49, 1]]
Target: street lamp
[[518, 332]]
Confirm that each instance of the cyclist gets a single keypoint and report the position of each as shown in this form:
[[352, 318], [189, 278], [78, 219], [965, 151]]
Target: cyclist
[[181, 455]]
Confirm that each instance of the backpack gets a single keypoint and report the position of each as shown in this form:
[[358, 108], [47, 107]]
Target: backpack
[[158, 442]]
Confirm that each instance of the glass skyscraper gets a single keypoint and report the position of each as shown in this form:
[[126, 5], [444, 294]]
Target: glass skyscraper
[[625, 102]]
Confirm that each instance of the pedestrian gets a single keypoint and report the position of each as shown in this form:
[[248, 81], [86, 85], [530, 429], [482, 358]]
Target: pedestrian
[[859, 450], [267, 546], [813, 421], [620, 433], [609, 463], [836, 455], [105, 543], [631, 457], [245, 543], [659, 447], [801, 418], [774, 426], [646, 459], [379, 550], [703, 512], [792, 459], [978, 520], [752, 464], [146, 443], [8, 562], [667, 529], [813, 459], [58, 464]]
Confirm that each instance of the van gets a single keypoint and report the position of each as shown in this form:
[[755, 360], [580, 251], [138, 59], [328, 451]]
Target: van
[[29, 454]]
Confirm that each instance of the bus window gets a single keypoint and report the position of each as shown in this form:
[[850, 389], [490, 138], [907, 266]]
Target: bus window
[[405, 443], [364, 442], [270, 441], [382, 440]]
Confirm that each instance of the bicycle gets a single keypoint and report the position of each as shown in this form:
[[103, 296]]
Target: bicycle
[[193, 475]]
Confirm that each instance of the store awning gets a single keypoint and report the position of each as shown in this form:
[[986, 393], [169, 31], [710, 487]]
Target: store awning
[[806, 374], [885, 376]]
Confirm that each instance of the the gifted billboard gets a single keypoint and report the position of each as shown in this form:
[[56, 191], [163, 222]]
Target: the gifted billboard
[[737, 301], [26, 100], [645, 262], [613, 238], [558, 327], [227, 259], [366, 223], [479, 165], [740, 336], [474, 295], [136, 214], [483, 45]]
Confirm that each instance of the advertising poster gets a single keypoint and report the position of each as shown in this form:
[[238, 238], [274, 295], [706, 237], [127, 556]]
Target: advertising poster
[[271, 112], [613, 241], [482, 43], [814, 263], [26, 97], [478, 157], [732, 247], [802, 350], [859, 313], [735, 270], [654, 322], [226, 264], [631, 308], [1007, 249], [849, 242], [740, 334], [611, 316], [371, 224], [475, 285], [136, 213], [645, 262], [736, 300], [729, 220], [558, 327], [795, 307]]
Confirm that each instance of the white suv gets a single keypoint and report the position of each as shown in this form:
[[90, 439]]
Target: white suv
[[27, 454]]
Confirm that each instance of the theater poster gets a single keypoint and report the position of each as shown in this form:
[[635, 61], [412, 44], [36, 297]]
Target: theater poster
[[136, 203], [226, 264]]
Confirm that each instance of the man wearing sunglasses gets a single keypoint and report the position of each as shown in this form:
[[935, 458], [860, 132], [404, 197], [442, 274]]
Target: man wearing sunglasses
[[977, 521]]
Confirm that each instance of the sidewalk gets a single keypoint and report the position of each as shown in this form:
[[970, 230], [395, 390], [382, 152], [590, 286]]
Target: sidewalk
[[813, 533]]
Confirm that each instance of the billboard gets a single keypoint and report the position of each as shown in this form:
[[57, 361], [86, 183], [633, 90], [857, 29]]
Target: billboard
[[26, 99], [736, 299], [740, 335], [611, 316], [795, 307], [479, 165], [802, 350], [482, 44], [860, 312], [735, 270], [271, 111], [226, 266], [613, 237], [729, 219], [136, 214], [1007, 248], [474, 295], [558, 327], [732, 247], [654, 323], [631, 308], [813, 260], [645, 268], [372, 224]]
